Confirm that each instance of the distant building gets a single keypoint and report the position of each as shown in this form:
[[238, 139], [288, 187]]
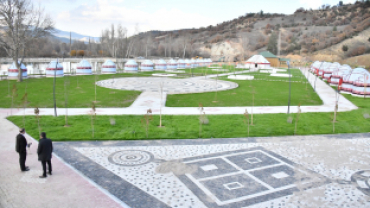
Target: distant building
[[274, 60]]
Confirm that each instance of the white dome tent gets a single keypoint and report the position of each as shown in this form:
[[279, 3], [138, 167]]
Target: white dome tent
[[328, 71], [324, 66], [350, 79], [83, 68], [361, 87], [147, 65], [181, 64], [199, 62], [187, 64], [131, 66], [257, 62], [161, 65], [337, 75], [108, 67], [193, 63], [52, 68], [209, 62], [315, 66], [13, 71], [172, 65]]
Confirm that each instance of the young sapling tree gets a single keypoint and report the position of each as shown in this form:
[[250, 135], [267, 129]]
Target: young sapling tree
[[146, 121]]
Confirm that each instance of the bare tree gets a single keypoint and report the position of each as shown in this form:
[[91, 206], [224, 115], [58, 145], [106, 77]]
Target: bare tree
[[184, 44], [22, 23], [131, 42], [148, 44]]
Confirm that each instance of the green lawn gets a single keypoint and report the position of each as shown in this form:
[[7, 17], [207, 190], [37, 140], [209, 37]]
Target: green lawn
[[81, 92], [207, 71], [185, 127], [269, 91]]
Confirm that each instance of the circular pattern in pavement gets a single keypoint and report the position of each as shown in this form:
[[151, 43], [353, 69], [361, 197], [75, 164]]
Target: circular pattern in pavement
[[130, 157], [170, 86]]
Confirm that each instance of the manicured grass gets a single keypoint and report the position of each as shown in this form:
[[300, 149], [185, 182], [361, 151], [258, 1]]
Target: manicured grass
[[81, 92], [207, 71], [185, 127], [269, 91]]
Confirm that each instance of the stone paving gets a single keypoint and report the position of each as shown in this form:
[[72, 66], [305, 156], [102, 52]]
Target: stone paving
[[169, 86], [302, 171]]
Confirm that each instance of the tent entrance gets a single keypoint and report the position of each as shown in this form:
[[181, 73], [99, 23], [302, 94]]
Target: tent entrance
[[256, 65]]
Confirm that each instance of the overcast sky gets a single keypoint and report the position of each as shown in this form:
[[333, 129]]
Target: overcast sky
[[89, 17]]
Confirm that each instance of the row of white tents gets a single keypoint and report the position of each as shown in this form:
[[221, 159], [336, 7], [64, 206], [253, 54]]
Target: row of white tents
[[109, 67], [353, 81]]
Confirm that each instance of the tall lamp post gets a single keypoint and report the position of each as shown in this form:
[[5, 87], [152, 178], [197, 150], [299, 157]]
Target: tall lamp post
[[290, 85], [317, 76], [55, 102]]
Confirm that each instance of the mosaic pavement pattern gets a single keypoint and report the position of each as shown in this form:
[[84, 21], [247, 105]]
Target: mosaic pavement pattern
[[308, 173], [170, 86]]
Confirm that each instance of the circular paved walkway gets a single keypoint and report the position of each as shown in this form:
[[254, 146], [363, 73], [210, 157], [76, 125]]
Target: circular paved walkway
[[170, 86]]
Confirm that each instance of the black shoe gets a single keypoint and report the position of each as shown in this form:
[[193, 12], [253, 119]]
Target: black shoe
[[27, 169], [42, 176], [50, 173]]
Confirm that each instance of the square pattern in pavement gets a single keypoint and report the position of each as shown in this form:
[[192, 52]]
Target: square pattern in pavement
[[245, 177]]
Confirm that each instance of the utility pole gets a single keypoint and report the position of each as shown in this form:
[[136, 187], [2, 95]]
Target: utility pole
[[279, 42], [70, 43]]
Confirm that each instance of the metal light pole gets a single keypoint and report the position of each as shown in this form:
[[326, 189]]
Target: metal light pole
[[317, 76], [290, 86], [55, 102]]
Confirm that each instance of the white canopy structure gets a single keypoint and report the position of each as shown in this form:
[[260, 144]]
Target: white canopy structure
[[83, 68], [323, 66], [200, 62], [161, 65], [315, 66], [257, 62], [337, 75], [13, 71], [194, 63], [187, 64], [172, 65], [108, 67], [181, 64], [147, 65], [361, 85], [131, 66], [328, 71], [350, 79], [54, 69]]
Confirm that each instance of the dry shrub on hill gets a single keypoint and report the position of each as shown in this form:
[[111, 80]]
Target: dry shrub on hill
[[358, 51]]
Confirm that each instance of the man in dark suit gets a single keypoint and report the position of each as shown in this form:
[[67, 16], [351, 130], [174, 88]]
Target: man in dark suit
[[20, 147], [44, 152]]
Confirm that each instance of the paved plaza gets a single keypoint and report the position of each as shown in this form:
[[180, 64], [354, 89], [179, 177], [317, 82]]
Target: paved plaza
[[168, 85]]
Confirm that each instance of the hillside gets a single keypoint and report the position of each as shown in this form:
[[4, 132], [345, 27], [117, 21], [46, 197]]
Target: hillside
[[306, 33]]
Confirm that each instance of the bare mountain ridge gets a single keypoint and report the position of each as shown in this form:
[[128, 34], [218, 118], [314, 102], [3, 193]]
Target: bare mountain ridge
[[306, 32]]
